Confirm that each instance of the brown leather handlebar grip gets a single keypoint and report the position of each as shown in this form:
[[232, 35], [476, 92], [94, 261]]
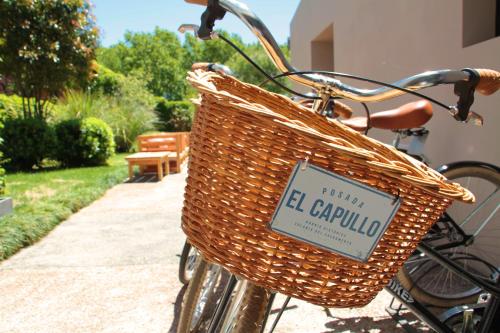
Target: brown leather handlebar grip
[[198, 2], [489, 81]]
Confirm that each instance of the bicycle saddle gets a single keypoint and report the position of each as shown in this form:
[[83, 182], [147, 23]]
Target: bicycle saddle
[[410, 115]]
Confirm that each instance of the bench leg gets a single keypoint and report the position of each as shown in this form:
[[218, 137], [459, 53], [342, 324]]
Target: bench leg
[[130, 170], [167, 166], [159, 167]]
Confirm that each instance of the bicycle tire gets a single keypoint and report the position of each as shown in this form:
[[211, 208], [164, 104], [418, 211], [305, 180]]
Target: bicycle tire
[[246, 314], [204, 291], [420, 285], [187, 261], [455, 322]]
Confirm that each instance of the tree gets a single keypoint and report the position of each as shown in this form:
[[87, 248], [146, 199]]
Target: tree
[[162, 61], [244, 71], [215, 50], [46, 45], [113, 57], [156, 57]]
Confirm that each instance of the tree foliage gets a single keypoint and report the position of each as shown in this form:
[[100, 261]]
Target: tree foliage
[[123, 102], [215, 50], [219, 51], [244, 71], [174, 116], [45, 46], [156, 57], [163, 61]]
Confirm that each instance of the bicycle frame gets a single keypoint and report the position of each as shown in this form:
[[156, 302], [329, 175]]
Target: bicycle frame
[[328, 86], [489, 321], [415, 149]]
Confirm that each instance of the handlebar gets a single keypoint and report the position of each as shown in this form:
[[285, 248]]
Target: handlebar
[[339, 108], [485, 81]]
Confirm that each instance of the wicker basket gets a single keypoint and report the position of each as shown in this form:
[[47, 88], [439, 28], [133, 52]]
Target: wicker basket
[[244, 144]]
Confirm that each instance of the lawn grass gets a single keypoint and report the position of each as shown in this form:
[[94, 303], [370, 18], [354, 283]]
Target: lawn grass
[[44, 199]]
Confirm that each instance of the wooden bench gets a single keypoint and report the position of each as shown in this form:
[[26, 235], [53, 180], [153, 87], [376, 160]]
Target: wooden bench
[[175, 145], [159, 159]]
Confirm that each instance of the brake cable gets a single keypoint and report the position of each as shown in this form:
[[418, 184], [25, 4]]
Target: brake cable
[[269, 77], [328, 73], [355, 77], [216, 12]]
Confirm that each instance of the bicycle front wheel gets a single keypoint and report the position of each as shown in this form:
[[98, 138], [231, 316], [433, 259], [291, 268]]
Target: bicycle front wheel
[[202, 296], [187, 263], [433, 284], [246, 311]]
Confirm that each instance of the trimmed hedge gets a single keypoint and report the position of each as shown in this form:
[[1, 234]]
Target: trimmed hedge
[[174, 116], [26, 142], [83, 142], [2, 170]]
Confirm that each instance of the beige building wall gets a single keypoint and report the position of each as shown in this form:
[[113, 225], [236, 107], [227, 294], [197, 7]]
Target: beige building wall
[[390, 39]]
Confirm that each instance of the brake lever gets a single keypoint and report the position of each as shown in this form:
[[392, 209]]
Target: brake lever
[[183, 28], [213, 12], [475, 118], [465, 92]]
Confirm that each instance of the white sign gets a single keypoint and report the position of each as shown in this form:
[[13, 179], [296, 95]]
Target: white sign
[[333, 212]]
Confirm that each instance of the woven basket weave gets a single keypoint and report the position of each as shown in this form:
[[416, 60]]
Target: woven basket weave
[[244, 144]]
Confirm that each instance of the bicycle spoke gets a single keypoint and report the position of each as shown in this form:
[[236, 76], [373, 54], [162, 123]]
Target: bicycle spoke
[[278, 317], [486, 221]]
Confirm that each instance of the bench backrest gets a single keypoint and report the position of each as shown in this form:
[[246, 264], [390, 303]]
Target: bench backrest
[[174, 142]]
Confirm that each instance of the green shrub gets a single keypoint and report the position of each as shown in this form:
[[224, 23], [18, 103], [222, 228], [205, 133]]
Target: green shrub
[[129, 112], [107, 82], [2, 178], [174, 116], [26, 142], [76, 104], [11, 106], [84, 142], [132, 113], [2, 170]]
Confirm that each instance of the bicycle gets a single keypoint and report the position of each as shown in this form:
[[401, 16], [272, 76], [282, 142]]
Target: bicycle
[[187, 263], [463, 232], [259, 296], [460, 112]]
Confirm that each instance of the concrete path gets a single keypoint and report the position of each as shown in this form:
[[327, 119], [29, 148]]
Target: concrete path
[[112, 267]]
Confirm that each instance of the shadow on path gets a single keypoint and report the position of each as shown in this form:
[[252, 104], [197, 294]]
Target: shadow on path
[[177, 309], [366, 324], [146, 178]]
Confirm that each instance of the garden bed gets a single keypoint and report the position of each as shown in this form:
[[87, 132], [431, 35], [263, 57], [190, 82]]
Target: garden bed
[[44, 199]]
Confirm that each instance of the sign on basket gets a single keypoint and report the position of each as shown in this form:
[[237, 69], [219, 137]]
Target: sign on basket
[[333, 212]]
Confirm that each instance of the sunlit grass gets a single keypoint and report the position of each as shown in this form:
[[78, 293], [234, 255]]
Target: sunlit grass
[[43, 199]]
